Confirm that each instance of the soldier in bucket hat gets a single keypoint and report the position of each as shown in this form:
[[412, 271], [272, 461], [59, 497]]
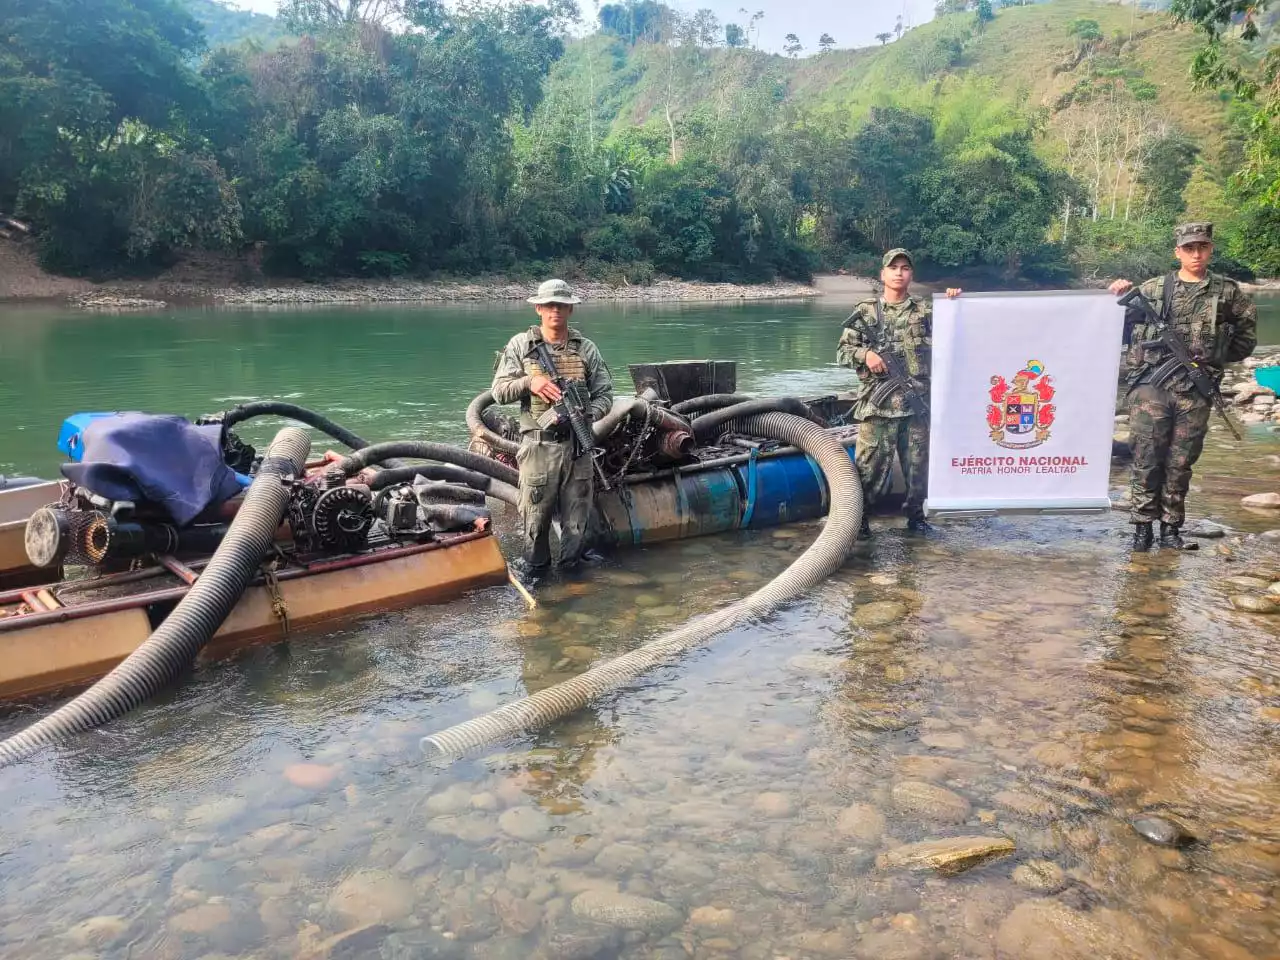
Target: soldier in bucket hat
[[898, 322], [1168, 421], [552, 481]]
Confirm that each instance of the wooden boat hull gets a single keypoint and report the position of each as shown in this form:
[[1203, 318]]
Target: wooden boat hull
[[15, 507], [78, 643]]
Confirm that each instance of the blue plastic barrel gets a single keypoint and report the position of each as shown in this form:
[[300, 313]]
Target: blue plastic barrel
[[781, 490], [1268, 377]]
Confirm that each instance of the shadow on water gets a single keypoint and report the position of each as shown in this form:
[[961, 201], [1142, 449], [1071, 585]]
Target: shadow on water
[[1004, 678]]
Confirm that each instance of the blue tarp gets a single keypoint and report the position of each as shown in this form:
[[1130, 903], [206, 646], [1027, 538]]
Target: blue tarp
[[160, 459]]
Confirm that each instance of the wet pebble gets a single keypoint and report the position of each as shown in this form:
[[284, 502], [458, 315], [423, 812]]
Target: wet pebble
[[658, 613], [1040, 876], [1025, 804], [215, 813], [524, 823], [626, 911], [1163, 831], [1038, 929], [622, 858], [101, 932], [918, 798], [1256, 603], [861, 822], [773, 804], [879, 613], [372, 896], [712, 918], [948, 856], [310, 776], [944, 740], [1270, 501]]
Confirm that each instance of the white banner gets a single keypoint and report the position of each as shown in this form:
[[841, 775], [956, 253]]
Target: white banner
[[1023, 401]]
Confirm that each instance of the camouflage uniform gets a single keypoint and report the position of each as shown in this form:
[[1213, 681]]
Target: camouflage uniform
[[907, 329], [551, 480], [1167, 425]]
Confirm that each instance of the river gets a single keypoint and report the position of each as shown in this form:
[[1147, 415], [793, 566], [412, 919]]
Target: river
[[1010, 677]]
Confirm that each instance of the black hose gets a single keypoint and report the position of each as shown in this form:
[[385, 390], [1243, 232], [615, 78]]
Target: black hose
[[174, 644], [450, 474], [425, 449], [709, 401], [452, 516], [479, 428], [451, 492], [278, 408], [708, 426]]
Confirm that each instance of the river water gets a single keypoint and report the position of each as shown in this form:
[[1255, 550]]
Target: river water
[[1005, 678]]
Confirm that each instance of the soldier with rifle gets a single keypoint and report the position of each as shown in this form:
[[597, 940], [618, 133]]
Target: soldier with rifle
[[888, 340], [562, 385], [1180, 330]]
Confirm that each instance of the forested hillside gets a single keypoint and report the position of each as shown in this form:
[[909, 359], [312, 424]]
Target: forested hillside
[[381, 137], [225, 25]]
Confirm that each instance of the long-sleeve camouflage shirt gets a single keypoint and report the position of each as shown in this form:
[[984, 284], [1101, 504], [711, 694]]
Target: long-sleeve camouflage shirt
[[907, 330], [576, 359], [1215, 319]]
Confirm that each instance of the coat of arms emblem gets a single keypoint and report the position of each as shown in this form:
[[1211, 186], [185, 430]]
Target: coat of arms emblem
[[1020, 415]]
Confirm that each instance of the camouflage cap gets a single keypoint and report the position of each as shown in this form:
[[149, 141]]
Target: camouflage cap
[[894, 254], [554, 291], [1200, 231]]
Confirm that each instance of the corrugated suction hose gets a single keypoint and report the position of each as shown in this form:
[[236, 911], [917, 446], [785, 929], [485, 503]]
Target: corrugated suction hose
[[824, 556], [174, 644]]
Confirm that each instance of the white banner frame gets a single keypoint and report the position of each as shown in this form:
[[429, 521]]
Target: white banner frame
[[944, 368]]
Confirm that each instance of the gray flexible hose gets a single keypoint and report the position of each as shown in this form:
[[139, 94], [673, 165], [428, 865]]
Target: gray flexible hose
[[425, 449], [174, 644], [712, 424], [450, 473], [709, 401], [824, 556], [478, 428]]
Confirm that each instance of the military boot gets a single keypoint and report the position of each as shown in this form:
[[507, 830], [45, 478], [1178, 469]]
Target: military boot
[[864, 531], [1171, 538], [1142, 537], [919, 525]]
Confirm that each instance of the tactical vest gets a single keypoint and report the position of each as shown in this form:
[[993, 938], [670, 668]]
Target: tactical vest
[[907, 339], [569, 364], [1200, 331]]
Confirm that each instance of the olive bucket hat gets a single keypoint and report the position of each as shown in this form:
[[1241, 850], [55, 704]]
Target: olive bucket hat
[[554, 291]]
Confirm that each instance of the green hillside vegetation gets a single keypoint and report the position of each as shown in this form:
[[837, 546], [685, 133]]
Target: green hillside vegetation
[[1025, 144], [225, 26]]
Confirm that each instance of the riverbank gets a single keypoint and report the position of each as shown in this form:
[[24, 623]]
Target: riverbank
[[214, 280]]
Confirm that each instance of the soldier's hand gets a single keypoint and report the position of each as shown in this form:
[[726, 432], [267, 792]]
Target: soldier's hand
[[1120, 287], [544, 388], [953, 292], [874, 363]]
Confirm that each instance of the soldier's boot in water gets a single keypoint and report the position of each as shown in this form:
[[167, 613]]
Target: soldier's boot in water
[[919, 525], [864, 531], [1142, 537], [1171, 538]]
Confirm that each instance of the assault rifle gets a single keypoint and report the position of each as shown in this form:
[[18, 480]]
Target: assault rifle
[[895, 378], [573, 408], [1180, 359]]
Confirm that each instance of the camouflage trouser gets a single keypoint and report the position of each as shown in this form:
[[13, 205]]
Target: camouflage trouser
[[1167, 433], [553, 483], [878, 439]]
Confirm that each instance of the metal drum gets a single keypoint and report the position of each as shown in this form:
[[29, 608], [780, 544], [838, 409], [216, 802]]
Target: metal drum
[[781, 490], [672, 508]]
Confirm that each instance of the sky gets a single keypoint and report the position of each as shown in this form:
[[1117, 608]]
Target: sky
[[852, 23]]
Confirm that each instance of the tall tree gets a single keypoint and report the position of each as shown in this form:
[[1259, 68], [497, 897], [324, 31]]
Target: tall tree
[[884, 38], [826, 42]]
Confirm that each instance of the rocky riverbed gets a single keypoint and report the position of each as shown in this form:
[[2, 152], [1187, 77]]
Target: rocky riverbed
[[983, 765]]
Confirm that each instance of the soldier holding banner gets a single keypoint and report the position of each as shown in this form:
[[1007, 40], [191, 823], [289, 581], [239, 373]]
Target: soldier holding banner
[[897, 327], [1168, 418]]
